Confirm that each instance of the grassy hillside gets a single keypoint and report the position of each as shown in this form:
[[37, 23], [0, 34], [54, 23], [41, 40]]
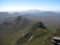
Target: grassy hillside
[[36, 36], [28, 35], [23, 31], [40, 35], [11, 31], [56, 34]]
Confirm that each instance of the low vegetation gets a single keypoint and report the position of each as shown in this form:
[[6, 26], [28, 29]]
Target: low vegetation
[[23, 31]]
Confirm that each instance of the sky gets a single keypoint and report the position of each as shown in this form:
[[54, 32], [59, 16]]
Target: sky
[[22, 5]]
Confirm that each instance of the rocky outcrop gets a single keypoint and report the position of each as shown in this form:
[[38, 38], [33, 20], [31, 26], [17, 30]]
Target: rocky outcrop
[[41, 25], [56, 40]]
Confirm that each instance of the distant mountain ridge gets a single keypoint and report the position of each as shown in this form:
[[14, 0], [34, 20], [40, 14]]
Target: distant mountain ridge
[[35, 15], [18, 23], [32, 27]]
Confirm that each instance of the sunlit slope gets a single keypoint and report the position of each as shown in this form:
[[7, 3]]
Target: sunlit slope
[[37, 35]]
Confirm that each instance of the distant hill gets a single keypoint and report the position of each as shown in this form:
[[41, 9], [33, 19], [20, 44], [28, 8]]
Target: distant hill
[[9, 28], [50, 19], [15, 23]]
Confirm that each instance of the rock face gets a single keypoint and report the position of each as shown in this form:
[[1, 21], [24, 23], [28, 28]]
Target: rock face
[[41, 25], [56, 40], [30, 38]]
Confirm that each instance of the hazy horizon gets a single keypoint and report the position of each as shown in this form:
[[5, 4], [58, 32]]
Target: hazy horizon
[[22, 5]]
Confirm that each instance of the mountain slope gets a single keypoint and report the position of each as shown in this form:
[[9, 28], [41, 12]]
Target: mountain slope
[[50, 19], [10, 31], [32, 28], [35, 35]]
